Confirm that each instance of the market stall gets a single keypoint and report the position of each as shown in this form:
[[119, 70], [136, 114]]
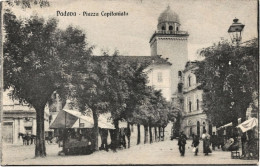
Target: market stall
[[75, 131], [250, 141], [226, 137], [248, 124]]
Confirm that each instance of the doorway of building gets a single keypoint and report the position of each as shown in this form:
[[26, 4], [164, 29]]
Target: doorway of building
[[7, 132], [190, 131], [204, 127], [198, 128]]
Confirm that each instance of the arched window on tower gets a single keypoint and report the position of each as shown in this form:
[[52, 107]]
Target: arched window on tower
[[163, 28], [170, 28], [177, 28]]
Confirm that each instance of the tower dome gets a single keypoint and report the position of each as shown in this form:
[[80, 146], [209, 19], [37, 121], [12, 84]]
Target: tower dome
[[168, 16]]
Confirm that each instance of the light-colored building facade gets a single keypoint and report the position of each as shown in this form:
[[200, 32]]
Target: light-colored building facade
[[159, 76], [19, 118], [194, 119]]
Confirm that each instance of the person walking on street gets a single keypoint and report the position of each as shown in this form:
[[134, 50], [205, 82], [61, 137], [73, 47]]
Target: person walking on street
[[195, 143], [213, 141], [206, 142], [181, 143]]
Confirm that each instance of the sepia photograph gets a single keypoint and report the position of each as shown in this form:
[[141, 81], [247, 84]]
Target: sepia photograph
[[129, 82]]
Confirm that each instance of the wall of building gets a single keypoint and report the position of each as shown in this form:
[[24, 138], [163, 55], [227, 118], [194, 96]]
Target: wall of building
[[159, 76], [195, 97], [174, 48], [190, 124], [19, 118], [153, 47], [194, 120]]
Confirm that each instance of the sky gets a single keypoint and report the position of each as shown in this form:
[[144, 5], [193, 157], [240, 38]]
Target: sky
[[206, 21]]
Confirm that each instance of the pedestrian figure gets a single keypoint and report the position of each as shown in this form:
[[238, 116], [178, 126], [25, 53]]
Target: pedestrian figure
[[103, 135], [181, 143], [195, 143], [243, 141], [214, 141], [206, 142]]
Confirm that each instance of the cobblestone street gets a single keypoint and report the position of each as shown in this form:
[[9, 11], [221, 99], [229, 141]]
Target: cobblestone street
[[165, 152]]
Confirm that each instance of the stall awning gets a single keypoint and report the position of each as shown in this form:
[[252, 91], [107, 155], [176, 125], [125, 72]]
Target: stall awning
[[229, 124], [248, 124], [71, 118]]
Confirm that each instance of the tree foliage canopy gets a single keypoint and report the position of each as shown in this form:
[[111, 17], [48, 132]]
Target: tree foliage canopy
[[229, 78], [39, 59]]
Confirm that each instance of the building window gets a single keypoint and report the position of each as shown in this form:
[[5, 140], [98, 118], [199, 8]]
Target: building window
[[190, 104], [170, 28], [198, 104], [189, 81], [28, 130], [163, 28], [177, 29], [179, 87], [160, 79]]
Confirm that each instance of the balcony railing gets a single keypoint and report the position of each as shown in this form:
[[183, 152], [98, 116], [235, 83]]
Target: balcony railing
[[169, 32], [194, 86]]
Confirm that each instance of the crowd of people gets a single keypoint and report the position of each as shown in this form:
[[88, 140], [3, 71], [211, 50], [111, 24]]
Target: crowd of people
[[195, 143], [248, 144]]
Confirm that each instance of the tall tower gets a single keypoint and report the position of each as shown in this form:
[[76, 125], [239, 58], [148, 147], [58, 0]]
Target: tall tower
[[170, 42]]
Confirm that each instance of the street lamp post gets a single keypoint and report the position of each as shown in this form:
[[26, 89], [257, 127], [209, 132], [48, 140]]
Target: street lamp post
[[235, 31]]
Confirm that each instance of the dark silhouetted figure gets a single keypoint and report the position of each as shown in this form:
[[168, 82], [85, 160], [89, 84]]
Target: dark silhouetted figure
[[181, 143], [195, 143]]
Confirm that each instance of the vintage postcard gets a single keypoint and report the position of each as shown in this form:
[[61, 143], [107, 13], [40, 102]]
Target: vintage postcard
[[129, 82]]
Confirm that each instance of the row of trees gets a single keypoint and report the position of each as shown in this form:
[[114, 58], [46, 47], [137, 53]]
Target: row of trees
[[40, 58], [111, 84]]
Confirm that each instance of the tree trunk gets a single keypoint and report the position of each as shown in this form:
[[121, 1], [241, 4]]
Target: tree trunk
[[150, 134], [95, 133], [117, 137], [145, 134], [155, 134], [1, 64], [138, 134], [1, 67], [128, 134], [40, 150], [163, 133], [159, 133]]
